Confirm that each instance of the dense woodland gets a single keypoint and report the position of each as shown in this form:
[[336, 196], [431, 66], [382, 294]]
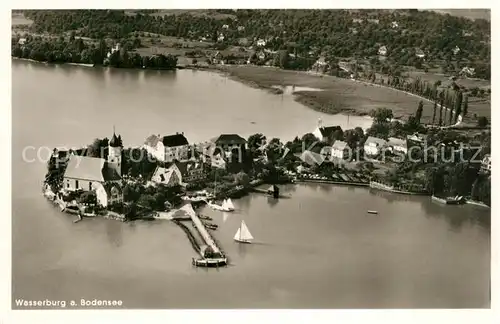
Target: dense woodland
[[336, 33]]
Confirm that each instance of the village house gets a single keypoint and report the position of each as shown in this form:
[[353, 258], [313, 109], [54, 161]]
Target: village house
[[419, 53], [168, 148], [340, 150], [261, 42], [456, 50], [226, 143], [225, 26], [114, 49], [220, 38], [467, 72], [374, 145], [394, 24], [241, 28], [217, 58], [22, 41], [108, 194], [320, 64], [170, 176], [397, 145], [357, 20], [486, 164], [325, 133], [382, 51], [373, 21], [96, 174], [417, 138]]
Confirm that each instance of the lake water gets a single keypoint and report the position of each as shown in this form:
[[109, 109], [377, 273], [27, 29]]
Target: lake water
[[319, 249]]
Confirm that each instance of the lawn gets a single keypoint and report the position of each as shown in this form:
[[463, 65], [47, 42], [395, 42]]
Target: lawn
[[337, 95]]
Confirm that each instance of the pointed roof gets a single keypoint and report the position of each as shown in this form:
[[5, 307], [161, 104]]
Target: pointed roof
[[329, 130], [115, 141]]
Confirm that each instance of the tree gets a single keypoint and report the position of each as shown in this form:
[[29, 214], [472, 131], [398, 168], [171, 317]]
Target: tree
[[458, 105], [242, 179], [381, 115], [466, 105], [194, 61], [441, 107], [255, 141], [482, 121], [418, 113], [434, 112]]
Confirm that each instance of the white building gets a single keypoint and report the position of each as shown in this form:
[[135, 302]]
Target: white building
[[261, 42], [22, 41], [340, 150], [456, 50], [398, 145], [394, 24], [382, 51], [325, 133], [486, 163], [97, 174], [419, 53], [168, 148], [220, 38], [374, 145], [114, 49]]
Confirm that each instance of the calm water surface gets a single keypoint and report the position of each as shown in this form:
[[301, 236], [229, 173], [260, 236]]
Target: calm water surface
[[319, 249]]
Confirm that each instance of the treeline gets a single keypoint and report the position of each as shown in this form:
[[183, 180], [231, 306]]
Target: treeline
[[58, 50], [339, 33]]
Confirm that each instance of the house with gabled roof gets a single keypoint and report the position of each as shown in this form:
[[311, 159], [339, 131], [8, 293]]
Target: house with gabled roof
[[397, 145], [340, 150], [168, 148], [170, 176], [382, 50], [325, 133], [419, 53], [374, 145]]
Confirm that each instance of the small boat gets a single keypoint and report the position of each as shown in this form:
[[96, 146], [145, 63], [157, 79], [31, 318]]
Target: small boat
[[372, 212], [228, 204], [448, 200], [243, 235]]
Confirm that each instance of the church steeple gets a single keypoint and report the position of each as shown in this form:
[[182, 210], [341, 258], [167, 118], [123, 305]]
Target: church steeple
[[115, 141], [115, 153]]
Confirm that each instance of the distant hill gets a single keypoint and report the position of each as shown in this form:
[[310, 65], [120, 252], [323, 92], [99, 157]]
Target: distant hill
[[467, 13]]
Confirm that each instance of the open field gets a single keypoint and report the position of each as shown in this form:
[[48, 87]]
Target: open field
[[342, 95], [19, 19], [467, 13], [337, 95]]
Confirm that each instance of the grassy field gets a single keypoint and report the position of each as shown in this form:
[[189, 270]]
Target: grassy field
[[19, 19], [337, 95], [343, 95], [467, 13]]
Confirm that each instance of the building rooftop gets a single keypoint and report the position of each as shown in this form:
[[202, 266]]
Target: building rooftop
[[230, 139], [90, 169]]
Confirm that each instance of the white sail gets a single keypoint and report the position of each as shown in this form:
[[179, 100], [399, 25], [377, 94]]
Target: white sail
[[229, 204], [243, 234], [224, 204]]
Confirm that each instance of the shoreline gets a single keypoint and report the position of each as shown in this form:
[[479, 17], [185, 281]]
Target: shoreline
[[303, 97]]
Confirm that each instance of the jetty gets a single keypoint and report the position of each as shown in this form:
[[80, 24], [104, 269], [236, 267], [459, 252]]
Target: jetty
[[210, 253]]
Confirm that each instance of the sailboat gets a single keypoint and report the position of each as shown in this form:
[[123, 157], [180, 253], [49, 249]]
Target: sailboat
[[227, 205], [243, 234]]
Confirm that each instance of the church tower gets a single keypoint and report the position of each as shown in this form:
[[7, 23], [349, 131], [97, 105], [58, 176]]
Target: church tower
[[115, 153]]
